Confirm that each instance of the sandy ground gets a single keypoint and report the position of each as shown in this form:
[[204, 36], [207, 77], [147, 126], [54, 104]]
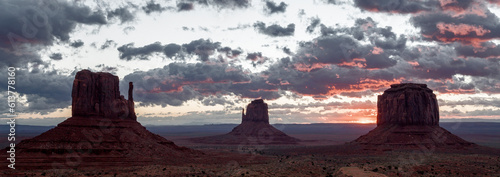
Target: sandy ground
[[273, 161]]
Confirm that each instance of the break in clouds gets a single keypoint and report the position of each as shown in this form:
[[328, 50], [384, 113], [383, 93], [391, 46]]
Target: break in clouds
[[453, 51]]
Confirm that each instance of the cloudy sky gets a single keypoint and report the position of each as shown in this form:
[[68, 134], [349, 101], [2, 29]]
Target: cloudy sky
[[202, 61]]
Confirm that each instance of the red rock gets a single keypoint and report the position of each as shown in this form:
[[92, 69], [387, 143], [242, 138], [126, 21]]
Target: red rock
[[408, 118], [131, 106], [102, 132], [98, 94], [407, 104], [254, 129], [257, 111]]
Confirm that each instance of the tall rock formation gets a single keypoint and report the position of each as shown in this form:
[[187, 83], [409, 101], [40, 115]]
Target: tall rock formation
[[98, 95], [256, 112], [254, 129], [408, 117], [407, 104], [103, 131]]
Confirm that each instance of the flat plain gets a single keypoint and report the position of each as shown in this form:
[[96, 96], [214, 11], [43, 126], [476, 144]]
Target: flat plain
[[323, 151]]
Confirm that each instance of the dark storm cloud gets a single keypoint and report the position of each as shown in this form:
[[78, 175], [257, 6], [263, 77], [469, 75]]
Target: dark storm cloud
[[287, 50], [230, 53], [183, 6], [275, 30], [41, 22], [176, 83], [129, 52], [487, 49], [367, 29], [325, 31], [457, 5], [236, 52], [221, 4], [56, 56], [76, 44], [334, 64], [332, 50], [122, 13], [172, 50], [468, 28], [45, 91], [391, 43], [152, 6], [487, 85], [254, 56], [228, 3], [273, 8], [316, 82], [442, 62], [453, 85], [202, 48], [343, 50], [9, 58], [399, 6]]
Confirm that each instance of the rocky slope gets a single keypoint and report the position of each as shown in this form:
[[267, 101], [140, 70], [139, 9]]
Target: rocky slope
[[254, 129]]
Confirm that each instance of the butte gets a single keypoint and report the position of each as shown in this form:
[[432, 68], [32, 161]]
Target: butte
[[408, 118], [102, 132], [254, 129]]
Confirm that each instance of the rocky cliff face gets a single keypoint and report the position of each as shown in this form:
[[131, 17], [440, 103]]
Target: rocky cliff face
[[408, 118], [98, 95], [407, 104], [257, 111]]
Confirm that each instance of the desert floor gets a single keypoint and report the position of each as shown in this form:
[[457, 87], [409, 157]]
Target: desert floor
[[323, 153]]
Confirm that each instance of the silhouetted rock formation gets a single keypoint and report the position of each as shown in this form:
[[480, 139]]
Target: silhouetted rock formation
[[256, 112], [408, 117], [102, 132], [254, 129], [98, 94], [408, 104]]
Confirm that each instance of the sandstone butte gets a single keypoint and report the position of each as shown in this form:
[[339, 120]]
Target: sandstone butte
[[408, 118], [102, 131], [254, 129]]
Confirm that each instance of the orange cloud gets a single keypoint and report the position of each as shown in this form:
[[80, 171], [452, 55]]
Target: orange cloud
[[377, 50], [461, 29], [307, 68], [356, 62]]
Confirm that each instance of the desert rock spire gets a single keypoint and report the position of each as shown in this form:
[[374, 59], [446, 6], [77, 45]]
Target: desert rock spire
[[254, 129]]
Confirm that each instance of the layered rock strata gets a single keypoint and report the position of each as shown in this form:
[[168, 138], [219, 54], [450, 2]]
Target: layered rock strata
[[408, 117], [407, 104]]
